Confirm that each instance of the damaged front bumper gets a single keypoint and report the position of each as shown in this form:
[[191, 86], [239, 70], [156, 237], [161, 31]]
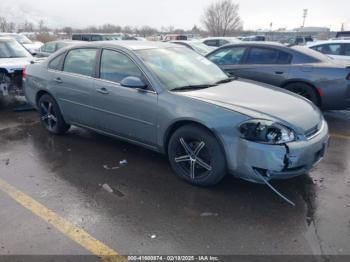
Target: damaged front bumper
[[11, 83], [252, 160]]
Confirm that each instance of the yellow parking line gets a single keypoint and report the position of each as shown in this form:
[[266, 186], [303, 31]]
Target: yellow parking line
[[75, 233], [340, 136]]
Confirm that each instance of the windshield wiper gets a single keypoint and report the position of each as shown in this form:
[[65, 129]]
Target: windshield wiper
[[192, 87], [227, 80]]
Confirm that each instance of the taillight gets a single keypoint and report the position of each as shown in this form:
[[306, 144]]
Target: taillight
[[24, 74]]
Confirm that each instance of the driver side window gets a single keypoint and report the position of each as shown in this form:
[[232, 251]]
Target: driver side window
[[116, 66], [228, 56]]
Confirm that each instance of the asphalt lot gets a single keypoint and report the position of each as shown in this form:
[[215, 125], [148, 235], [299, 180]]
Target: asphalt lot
[[151, 211]]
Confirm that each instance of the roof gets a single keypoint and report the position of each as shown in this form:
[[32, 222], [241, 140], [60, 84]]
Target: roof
[[333, 41], [67, 41], [257, 43], [220, 37], [131, 44], [6, 39]]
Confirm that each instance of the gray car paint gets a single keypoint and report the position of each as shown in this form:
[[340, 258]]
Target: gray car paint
[[326, 76], [149, 116]]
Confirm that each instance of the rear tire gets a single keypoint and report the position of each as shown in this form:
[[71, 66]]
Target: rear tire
[[196, 156], [304, 90], [50, 116]]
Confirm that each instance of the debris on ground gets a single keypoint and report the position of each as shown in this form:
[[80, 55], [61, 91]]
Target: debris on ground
[[153, 236], [110, 168], [123, 162], [23, 108], [107, 188], [209, 214]]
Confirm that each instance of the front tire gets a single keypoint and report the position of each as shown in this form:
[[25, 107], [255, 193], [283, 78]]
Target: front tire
[[196, 156], [50, 116]]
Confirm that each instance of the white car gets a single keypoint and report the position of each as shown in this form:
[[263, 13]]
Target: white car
[[13, 59], [219, 41], [337, 49], [31, 46]]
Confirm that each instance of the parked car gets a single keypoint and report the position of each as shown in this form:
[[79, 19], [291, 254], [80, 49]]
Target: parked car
[[343, 34], [172, 37], [196, 46], [168, 99], [300, 40], [255, 38], [96, 37], [13, 58], [31, 46], [337, 49], [51, 47], [298, 69], [220, 41]]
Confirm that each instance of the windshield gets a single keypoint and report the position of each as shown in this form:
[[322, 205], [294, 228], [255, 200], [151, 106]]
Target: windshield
[[181, 67], [200, 47], [22, 39], [12, 49]]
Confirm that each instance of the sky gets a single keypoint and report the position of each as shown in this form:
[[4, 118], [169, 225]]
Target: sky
[[256, 14]]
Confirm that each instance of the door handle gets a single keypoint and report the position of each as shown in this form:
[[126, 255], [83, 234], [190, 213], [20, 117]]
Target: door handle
[[103, 90], [279, 73], [58, 80]]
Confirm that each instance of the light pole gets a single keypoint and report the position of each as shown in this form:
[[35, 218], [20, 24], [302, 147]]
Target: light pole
[[305, 11]]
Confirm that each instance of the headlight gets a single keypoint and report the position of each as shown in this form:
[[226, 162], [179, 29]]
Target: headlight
[[265, 131]]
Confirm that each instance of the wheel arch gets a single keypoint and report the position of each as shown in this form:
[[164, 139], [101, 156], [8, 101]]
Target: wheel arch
[[180, 123], [39, 94], [305, 82]]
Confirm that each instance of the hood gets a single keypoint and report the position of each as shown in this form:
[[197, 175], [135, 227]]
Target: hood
[[34, 47], [12, 64], [262, 101]]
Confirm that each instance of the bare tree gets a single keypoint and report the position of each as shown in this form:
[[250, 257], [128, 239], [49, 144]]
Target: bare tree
[[145, 31], [28, 26], [41, 25], [222, 17], [4, 25]]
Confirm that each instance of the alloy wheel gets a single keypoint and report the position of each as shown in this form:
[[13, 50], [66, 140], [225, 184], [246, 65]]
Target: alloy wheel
[[48, 115], [193, 158]]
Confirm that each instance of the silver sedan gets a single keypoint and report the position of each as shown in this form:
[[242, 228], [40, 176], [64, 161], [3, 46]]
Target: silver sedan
[[172, 100]]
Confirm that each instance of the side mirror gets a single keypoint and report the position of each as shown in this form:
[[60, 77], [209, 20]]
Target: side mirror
[[133, 82]]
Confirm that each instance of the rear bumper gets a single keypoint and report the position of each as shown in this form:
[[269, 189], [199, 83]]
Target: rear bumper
[[278, 161]]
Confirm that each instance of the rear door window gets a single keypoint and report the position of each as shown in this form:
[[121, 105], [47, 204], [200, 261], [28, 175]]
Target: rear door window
[[97, 38], [86, 38], [56, 63], [228, 56], [48, 48], [81, 61], [211, 42], [76, 37], [115, 66], [329, 49], [267, 56], [347, 50], [223, 42]]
